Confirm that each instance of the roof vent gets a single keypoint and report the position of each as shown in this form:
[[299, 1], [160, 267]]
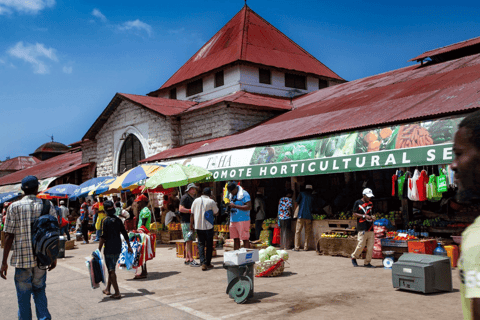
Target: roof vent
[[451, 52]]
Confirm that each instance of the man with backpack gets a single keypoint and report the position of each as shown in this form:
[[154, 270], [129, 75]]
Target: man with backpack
[[21, 227]]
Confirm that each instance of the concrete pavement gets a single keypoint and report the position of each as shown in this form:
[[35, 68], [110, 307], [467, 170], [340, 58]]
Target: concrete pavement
[[312, 287]]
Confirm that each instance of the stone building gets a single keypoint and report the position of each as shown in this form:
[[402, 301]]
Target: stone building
[[247, 73]]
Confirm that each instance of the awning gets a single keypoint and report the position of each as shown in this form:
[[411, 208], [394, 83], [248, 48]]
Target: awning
[[406, 145]]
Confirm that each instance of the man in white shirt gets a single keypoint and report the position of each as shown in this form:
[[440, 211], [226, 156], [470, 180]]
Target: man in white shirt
[[203, 211], [64, 214]]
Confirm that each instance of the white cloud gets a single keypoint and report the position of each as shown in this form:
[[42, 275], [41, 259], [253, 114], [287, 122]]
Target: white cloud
[[67, 70], [24, 6], [35, 54], [96, 13], [136, 25]]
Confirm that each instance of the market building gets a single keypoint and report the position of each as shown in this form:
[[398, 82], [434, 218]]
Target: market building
[[17, 164], [247, 73]]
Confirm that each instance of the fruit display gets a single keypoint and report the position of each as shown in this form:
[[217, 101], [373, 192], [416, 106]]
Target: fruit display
[[174, 226], [319, 217], [437, 223], [334, 235], [392, 215], [405, 237], [221, 228], [346, 216]]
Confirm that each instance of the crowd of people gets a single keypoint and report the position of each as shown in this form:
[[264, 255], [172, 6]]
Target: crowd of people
[[112, 219]]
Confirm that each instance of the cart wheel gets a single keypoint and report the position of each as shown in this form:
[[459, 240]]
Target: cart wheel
[[388, 262], [240, 289]]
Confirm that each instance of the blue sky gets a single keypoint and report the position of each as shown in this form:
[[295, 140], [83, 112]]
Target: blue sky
[[61, 62]]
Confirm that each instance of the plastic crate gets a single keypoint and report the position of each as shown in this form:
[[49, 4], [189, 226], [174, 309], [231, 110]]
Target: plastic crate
[[389, 242]]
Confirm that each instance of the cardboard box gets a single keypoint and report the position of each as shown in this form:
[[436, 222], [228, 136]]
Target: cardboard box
[[241, 256], [422, 246]]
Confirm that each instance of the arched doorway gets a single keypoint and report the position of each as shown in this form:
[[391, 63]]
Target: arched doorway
[[130, 154]]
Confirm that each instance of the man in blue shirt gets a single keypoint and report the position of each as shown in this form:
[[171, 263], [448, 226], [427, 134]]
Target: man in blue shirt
[[240, 204], [305, 203]]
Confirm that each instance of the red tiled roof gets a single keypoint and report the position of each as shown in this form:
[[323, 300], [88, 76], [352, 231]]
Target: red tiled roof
[[449, 48], [18, 163], [52, 147], [53, 167], [247, 98], [402, 95], [167, 107], [248, 37]]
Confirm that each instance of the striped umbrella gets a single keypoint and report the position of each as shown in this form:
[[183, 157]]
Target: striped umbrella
[[177, 175], [89, 185], [61, 191]]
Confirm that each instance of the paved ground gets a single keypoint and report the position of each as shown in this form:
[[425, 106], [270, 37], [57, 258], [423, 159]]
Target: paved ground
[[312, 287]]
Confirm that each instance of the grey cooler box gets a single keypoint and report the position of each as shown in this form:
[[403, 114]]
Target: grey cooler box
[[423, 273]]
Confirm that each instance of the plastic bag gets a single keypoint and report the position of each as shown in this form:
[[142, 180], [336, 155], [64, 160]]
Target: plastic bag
[[412, 186], [442, 182]]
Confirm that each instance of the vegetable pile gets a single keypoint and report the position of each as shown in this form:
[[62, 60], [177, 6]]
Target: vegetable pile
[[272, 254]]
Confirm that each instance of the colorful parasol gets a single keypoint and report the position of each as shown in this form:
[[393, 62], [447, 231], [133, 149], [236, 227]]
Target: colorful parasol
[[61, 191], [9, 196], [88, 186], [177, 175]]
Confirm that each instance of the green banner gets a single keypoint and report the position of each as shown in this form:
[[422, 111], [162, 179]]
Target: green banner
[[396, 158]]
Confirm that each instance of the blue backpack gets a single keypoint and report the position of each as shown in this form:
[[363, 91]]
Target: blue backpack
[[45, 237]]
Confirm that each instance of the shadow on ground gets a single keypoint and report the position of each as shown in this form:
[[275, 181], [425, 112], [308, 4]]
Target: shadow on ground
[[140, 293], [259, 296], [156, 276]]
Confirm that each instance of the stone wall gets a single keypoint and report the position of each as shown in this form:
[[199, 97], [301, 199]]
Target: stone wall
[[155, 132], [219, 121], [89, 151]]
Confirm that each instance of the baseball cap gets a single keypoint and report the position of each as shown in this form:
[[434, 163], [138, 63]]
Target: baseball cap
[[141, 198], [308, 186], [108, 204], [368, 192], [190, 186], [29, 182], [207, 191], [231, 186]]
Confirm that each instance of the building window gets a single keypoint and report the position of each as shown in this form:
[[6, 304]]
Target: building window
[[130, 154], [194, 87], [173, 93], [322, 83], [219, 79], [264, 76], [295, 81]]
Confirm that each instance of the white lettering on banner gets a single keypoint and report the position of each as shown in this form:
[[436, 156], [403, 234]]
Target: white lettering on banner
[[224, 174], [390, 159], [215, 175], [240, 172], [346, 161], [233, 173], [263, 171], [322, 167], [249, 172], [303, 167], [431, 155], [283, 169], [311, 167], [293, 167], [447, 153], [273, 170], [404, 158], [375, 161], [219, 161], [363, 162], [335, 167]]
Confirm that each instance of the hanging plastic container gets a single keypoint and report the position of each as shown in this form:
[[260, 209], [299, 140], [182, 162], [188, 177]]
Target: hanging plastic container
[[440, 251]]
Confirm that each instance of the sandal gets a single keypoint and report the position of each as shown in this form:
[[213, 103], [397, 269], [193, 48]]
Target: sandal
[[107, 293], [139, 276], [116, 297]]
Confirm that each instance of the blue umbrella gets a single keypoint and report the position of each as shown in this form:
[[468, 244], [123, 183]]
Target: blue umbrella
[[62, 190], [90, 185], [103, 187], [9, 196], [139, 173]]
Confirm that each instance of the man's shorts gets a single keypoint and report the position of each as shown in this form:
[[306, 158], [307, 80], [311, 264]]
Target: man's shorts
[[186, 230], [240, 230], [111, 261]]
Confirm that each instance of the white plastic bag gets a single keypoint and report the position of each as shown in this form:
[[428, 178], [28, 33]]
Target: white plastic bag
[[412, 186]]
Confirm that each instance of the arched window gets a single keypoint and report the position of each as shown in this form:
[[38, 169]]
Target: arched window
[[130, 154]]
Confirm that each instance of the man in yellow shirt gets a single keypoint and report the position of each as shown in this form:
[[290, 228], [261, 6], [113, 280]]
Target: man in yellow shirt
[[466, 166]]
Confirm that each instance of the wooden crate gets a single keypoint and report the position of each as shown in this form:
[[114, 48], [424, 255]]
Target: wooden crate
[[69, 245], [170, 235], [343, 247]]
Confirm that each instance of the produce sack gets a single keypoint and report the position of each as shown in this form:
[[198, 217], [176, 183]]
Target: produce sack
[[276, 236], [384, 223]]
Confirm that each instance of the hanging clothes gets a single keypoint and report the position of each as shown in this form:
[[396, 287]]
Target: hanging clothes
[[400, 184], [406, 177]]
